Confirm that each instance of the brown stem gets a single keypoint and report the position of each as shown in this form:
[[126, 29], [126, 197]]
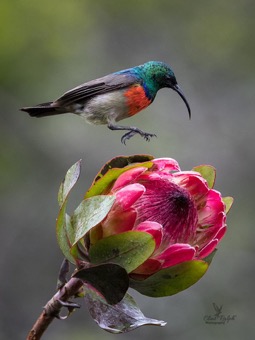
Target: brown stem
[[53, 307]]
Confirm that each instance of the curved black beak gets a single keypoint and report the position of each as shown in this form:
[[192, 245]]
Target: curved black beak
[[179, 91]]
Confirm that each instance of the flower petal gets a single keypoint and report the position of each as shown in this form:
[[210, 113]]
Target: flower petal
[[208, 233], [117, 223], [153, 228], [221, 233], [165, 164], [128, 195], [128, 177], [149, 176], [176, 253], [212, 214], [208, 249], [193, 182]]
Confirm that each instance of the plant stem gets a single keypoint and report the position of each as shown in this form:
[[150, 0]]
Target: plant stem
[[53, 307]]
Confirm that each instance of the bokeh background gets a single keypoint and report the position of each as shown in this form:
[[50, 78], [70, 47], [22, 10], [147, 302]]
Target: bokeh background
[[48, 47]]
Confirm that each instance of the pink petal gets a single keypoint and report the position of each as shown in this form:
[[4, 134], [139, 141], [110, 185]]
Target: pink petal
[[193, 182], [221, 233], [128, 177], [214, 201], [213, 211], [149, 176], [165, 164], [153, 228], [208, 248], [118, 222], [207, 234], [175, 254], [128, 195], [212, 219]]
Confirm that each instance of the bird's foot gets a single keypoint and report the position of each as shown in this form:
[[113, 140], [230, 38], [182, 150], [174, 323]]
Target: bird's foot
[[147, 136], [132, 130], [127, 136]]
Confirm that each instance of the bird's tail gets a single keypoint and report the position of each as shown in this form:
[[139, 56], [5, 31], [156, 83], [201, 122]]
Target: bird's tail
[[42, 110]]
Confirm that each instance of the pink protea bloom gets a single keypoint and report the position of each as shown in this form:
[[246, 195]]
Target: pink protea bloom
[[186, 217]]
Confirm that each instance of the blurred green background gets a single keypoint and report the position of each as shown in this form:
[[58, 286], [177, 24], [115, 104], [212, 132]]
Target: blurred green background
[[48, 47]]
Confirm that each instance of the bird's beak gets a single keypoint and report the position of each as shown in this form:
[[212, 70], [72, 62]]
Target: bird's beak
[[179, 91]]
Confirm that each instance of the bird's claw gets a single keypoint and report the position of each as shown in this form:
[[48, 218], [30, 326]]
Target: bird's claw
[[147, 136], [127, 136]]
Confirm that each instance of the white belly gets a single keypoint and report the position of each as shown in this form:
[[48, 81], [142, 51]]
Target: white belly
[[104, 108]]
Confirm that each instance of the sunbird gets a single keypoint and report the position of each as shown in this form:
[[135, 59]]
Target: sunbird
[[114, 97]]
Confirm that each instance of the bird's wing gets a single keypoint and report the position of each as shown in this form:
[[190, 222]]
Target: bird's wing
[[95, 87]]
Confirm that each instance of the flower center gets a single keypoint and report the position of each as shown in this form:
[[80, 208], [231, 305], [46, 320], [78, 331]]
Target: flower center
[[170, 205]]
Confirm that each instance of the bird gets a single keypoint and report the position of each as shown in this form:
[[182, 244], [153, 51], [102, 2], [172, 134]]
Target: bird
[[114, 97]]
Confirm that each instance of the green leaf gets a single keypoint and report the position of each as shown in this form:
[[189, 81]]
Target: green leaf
[[129, 249], [208, 172], [228, 201], [113, 169], [64, 233], [109, 279], [171, 280], [120, 318], [89, 213], [68, 183], [64, 229]]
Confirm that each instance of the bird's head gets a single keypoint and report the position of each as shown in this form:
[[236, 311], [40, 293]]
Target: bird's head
[[160, 75]]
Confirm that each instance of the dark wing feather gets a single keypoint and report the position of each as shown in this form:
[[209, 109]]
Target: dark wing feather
[[102, 85]]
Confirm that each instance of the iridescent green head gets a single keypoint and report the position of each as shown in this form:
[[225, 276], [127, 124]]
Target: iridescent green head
[[158, 75]]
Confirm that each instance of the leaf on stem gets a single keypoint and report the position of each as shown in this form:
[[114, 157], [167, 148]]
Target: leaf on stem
[[109, 279], [64, 229], [120, 318], [89, 213], [172, 280], [129, 249]]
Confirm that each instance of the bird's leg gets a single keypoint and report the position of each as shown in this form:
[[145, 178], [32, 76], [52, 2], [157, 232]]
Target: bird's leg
[[132, 130]]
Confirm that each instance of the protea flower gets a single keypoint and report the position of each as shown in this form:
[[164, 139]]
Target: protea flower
[[185, 216], [145, 219]]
